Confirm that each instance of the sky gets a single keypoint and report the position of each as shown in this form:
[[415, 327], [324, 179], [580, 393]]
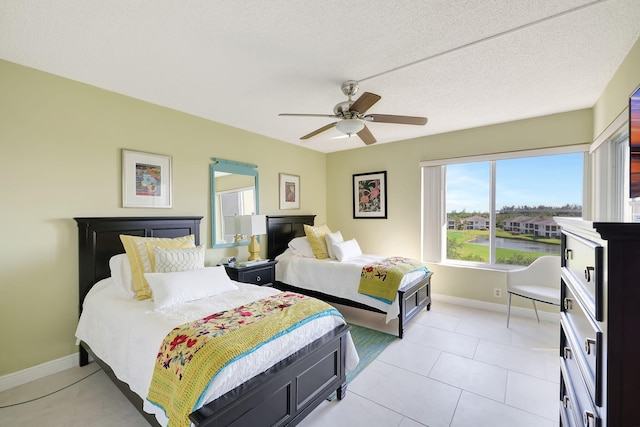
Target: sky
[[548, 180]]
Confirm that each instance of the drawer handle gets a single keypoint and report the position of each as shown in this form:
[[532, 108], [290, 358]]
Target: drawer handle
[[587, 273], [568, 254], [567, 353], [565, 401], [587, 417], [587, 344], [567, 304], [258, 278]]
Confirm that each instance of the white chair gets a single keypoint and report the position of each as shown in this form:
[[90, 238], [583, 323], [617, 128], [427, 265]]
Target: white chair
[[540, 281]]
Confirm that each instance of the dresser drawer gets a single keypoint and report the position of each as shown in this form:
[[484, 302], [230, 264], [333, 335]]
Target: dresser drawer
[[583, 339], [575, 405], [257, 276], [582, 264]]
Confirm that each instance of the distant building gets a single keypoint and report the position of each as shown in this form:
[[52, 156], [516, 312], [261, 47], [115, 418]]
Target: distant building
[[516, 224], [537, 226], [476, 223]]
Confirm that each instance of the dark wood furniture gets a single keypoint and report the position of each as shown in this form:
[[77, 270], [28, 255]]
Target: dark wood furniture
[[263, 274], [282, 395], [600, 324], [282, 229]]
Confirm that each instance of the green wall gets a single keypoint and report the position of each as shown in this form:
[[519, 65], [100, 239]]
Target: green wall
[[61, 158]]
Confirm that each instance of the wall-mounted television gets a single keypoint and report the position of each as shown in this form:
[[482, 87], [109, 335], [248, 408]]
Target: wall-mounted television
[[634, 144]]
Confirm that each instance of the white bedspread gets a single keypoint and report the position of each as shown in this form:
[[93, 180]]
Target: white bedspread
[[340, 279], [126, 334]]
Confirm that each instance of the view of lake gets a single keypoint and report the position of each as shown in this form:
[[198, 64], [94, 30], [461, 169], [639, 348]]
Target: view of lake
[[520, 245]]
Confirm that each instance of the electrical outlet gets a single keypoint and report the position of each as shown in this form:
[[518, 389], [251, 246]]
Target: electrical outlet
[[497, 292]]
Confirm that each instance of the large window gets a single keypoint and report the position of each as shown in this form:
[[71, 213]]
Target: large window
[[500, 210]]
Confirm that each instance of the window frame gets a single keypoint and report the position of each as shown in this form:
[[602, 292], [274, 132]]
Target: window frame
[[433, 213]]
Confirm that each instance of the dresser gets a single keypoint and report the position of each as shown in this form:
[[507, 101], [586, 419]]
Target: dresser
[[600, 324], [263, 274]]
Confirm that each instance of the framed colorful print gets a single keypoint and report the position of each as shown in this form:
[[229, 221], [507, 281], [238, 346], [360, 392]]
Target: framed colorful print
[[146, 180], [289, 191], [370, 195]]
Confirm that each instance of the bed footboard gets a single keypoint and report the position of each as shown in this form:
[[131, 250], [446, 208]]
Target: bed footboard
[[287, 392], [412, 300]]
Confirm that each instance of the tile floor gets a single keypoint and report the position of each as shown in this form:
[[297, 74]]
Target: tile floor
[[457, 366]]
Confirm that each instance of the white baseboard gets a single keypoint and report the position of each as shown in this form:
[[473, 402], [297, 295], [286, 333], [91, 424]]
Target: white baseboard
[[37, 372], [499, 308]]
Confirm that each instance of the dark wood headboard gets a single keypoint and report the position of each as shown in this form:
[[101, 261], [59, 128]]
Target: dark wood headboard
[[281, 229], [99, 240]]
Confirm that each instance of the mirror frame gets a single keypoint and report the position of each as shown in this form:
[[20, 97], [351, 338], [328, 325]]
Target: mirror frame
[[239, 168]]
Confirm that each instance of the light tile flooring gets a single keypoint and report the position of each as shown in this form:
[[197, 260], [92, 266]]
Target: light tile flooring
[[456, 366]]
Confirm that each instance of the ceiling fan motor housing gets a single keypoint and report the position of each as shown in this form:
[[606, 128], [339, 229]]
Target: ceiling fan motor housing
[[342, 109]]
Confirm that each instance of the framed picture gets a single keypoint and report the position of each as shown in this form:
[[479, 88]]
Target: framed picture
[[146, 180], [370, 195], [289, 191]]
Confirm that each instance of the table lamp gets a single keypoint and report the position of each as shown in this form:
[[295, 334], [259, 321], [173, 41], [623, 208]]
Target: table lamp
[[253, 225]]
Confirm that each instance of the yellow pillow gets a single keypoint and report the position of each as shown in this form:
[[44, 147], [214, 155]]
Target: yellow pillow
[[140, 253], [315, 236]]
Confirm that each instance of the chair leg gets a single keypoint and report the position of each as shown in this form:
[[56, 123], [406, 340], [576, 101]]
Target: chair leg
[[536, 310], [508, 308]]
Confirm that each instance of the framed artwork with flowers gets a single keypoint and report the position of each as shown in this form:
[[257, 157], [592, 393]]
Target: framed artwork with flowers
[[370, 195]]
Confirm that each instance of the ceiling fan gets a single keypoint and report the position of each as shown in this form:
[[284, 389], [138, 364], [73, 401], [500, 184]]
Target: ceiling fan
[[353, 118]]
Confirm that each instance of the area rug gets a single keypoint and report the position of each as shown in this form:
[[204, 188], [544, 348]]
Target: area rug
[[369, 344]]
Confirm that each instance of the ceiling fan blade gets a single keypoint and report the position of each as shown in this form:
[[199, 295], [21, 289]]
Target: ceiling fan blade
[[317, 131], [366, 136], [308, 115], [389, 118], [365, 102]]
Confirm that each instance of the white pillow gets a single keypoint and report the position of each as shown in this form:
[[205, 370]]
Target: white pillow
[[347, 250], [121, 273], [331, 239], [183, 286], [182, 259], [301, 246]]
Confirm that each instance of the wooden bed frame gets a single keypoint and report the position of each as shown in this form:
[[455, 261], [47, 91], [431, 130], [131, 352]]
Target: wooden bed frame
[[280, 231], [283, 395]]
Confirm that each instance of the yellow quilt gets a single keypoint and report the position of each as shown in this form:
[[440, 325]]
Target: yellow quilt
[[382, 279], [193, 354]]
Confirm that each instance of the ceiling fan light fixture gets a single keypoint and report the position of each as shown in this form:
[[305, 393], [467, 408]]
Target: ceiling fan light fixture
[[350, 126]]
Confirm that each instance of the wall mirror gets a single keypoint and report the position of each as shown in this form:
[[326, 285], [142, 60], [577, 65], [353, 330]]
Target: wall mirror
[[234, 192]]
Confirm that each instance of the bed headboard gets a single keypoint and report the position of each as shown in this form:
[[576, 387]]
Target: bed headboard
[[281, 229], [99, 240]]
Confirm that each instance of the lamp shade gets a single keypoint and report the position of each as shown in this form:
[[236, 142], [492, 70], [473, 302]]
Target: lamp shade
[[350, 126], [253, 225]]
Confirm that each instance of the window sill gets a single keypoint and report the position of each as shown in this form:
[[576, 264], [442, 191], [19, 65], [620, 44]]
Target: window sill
[[475, 265]]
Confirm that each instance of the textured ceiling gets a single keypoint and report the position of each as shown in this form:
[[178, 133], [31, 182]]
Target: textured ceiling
[[463, 63]]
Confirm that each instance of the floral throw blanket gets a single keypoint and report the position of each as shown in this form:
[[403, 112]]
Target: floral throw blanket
[[194, 353], [381, 279]]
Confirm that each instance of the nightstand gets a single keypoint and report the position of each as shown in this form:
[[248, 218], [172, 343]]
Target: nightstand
[[263, 274]]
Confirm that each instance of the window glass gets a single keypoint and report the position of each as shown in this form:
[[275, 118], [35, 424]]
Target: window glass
[[529, 192], [467, 205]]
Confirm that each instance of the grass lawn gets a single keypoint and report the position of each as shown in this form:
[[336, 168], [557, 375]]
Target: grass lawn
[[459, 248]]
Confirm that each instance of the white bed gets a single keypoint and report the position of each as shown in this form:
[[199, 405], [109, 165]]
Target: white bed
[[337, 278], [126, 334]]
